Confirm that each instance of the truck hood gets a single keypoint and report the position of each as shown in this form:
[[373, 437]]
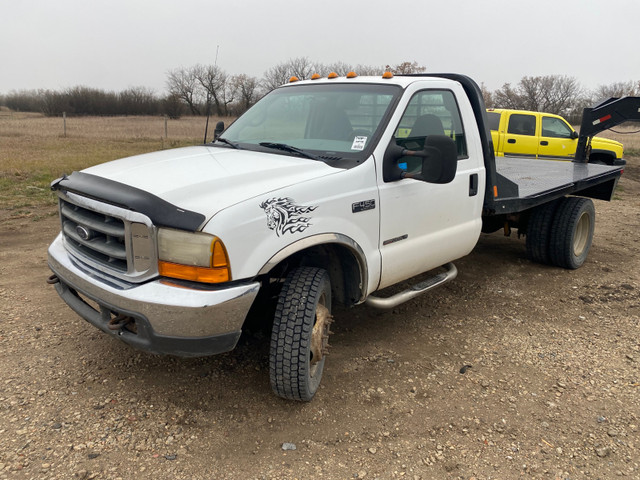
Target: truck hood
[[600, 142], [209, 179]]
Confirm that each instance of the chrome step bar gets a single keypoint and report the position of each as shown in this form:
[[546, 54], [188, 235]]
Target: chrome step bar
[[414, 291]]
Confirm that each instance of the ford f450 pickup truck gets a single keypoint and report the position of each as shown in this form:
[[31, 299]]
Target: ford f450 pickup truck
[[326, 191], [546, 136]]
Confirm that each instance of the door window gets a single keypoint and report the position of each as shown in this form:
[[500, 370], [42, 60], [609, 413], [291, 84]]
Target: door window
[[555, 128], [431, 112], [520, 124]]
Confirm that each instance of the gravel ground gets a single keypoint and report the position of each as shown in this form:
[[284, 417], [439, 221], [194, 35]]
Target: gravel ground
[[512, 370]]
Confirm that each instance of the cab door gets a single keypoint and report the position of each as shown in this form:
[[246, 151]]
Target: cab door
[[425, 225], [521, 139], [557, 139]]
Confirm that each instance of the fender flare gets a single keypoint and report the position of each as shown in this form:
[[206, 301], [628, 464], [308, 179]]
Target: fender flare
[[601, 151], [321, 239]]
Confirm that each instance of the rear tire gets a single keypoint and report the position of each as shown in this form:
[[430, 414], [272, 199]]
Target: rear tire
[[572, 232], [300, 333], [539, 232]]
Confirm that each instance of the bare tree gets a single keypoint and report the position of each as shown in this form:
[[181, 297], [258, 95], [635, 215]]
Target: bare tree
[[245, 90], [559, 93], [341, 68], [550, 93], [369, 70], [138, 100], [276, 76], [280, 74], [301, 67], [405, 68], [214, 81], [487, 96], [172, 106], [617, 90], [507, 97], [183, 83]]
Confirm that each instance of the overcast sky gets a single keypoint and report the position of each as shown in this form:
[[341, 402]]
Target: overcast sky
[[117, 44]]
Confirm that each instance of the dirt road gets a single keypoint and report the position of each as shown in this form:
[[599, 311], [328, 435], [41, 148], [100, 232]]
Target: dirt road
[[552, 390]]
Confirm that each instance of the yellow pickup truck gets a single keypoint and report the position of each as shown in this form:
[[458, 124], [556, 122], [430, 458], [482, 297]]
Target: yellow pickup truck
[[544, 135]]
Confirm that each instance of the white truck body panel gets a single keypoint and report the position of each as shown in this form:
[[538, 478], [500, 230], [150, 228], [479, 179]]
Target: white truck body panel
[[208, 179]]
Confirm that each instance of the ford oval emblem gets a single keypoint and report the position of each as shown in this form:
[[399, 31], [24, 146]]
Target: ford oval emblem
[[83, 232]]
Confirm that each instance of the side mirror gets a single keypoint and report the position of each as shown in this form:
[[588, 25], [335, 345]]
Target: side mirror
[[439, 161], [574, 135], [219, 129]]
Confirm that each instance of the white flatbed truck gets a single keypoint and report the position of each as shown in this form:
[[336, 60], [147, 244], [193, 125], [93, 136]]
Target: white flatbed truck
[[325, 191]]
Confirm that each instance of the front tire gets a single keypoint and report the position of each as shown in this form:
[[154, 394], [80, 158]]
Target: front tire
[[300, 333]]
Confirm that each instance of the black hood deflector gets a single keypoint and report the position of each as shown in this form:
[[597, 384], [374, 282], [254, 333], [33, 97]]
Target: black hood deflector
[[161, 212]]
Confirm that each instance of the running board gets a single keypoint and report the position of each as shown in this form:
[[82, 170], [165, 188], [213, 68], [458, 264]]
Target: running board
[[417, 289]]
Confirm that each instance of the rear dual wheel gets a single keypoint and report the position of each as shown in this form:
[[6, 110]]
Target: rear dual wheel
[[560, 233], [572, 232]]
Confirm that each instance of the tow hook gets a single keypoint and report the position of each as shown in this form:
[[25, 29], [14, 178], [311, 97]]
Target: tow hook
[[118, 322], [53, 279]]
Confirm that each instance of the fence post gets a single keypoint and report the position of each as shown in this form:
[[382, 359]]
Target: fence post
[[166, 132], [64, 123]]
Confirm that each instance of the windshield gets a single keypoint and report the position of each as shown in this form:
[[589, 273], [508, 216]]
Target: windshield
[[336, 121]]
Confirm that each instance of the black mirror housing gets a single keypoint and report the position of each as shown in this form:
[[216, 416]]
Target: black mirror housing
[[219, 129], [574, 135], [439, 161]]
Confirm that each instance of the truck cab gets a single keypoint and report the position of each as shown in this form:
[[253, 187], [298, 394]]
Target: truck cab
[[545, 136]]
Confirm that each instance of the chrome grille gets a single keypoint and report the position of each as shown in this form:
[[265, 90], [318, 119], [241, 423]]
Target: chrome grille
[[110, 239], [100, 237]]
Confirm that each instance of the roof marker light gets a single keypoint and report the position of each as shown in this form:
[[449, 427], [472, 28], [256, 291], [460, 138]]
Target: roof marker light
[[352, 75], [387, 75], [315, 76], [293, 79], [332, 75]]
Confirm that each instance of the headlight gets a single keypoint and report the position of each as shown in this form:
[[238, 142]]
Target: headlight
[[192, 256]]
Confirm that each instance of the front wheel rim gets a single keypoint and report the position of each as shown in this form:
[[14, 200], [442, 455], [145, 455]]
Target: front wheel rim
[[319, 335]]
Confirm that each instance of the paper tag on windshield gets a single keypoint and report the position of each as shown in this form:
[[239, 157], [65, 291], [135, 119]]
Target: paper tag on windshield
[[359, 143]]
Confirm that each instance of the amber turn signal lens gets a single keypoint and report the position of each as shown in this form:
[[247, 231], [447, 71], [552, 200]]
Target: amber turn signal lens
[[195, 274]]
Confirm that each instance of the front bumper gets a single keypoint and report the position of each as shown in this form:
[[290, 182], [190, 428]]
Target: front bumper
[[169, 319]]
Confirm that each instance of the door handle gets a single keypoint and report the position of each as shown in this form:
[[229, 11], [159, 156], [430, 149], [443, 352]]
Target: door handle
[[544, 142], [473, 185], [511, 140]]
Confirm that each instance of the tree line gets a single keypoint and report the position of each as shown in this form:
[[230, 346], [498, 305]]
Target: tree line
[[204, 89], [559, 94]]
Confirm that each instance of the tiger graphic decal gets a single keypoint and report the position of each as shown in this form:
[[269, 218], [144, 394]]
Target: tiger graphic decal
[[284, 216]]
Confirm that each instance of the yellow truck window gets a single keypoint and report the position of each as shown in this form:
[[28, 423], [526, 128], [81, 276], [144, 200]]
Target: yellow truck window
[[520, 124], [555, 128]]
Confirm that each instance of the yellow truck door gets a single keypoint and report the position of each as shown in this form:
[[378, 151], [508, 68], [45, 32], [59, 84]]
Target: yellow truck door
[[557, 139], [521, 137]]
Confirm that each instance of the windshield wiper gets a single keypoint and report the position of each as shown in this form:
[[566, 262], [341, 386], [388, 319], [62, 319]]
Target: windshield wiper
[[289, 148], [227, 142]]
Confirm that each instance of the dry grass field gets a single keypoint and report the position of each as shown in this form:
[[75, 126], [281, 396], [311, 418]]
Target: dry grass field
[[34, 150]]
